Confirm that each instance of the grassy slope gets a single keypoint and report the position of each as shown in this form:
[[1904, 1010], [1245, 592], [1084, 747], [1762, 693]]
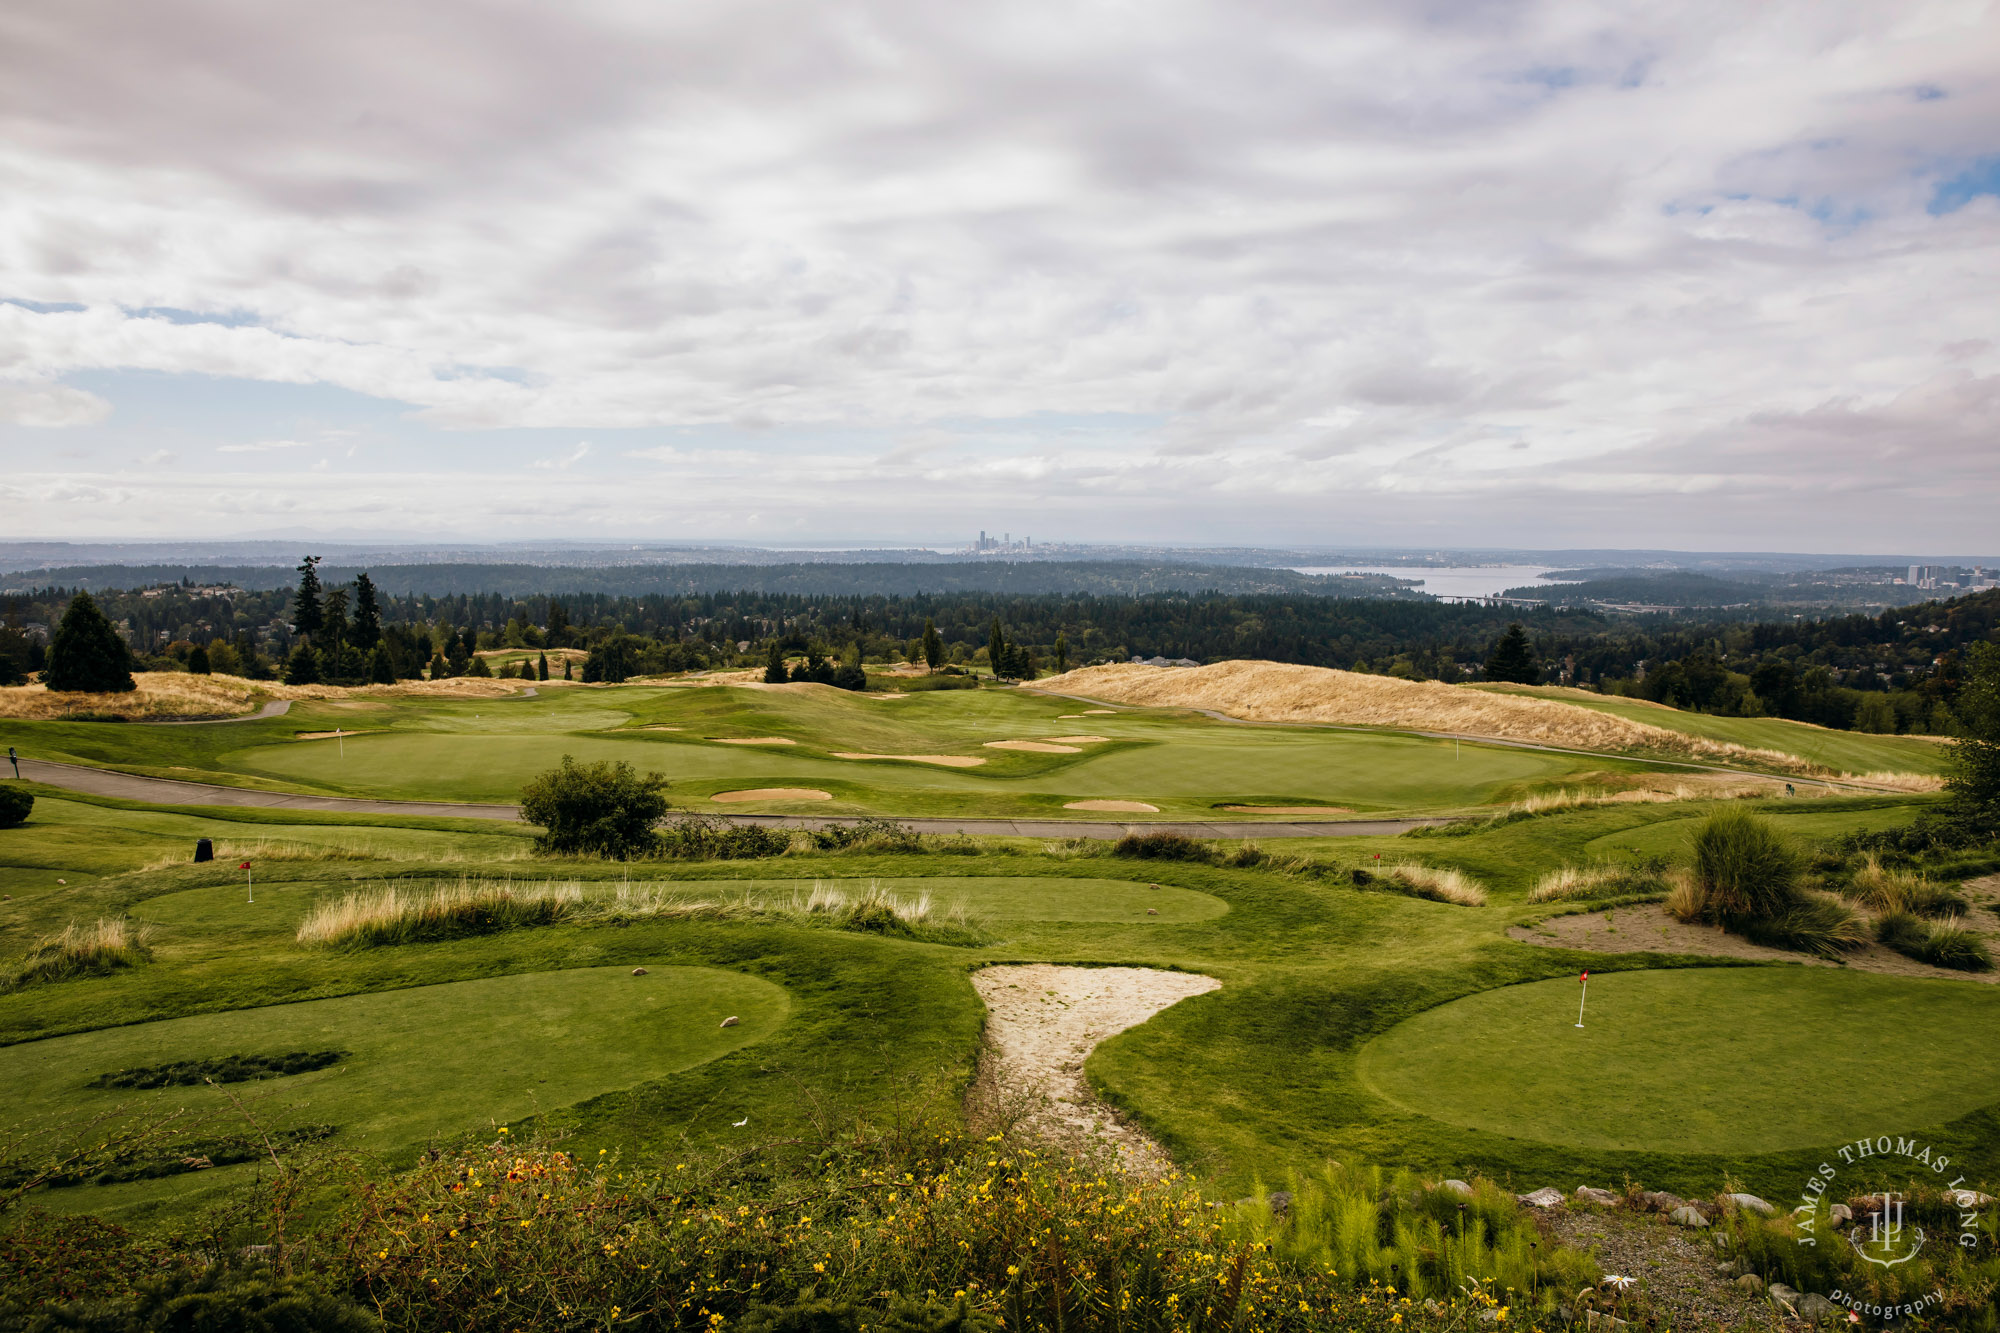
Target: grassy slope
[[483, 751], [1843, 751]]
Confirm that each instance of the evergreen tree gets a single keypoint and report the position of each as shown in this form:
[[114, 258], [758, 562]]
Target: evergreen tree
[[308, 617], [542, 667], [367, 630], [1511, 659], [774, 665], [439, 667], [933, 645], [566, 670], [303, 666], [1972, 782], [198, 661], [558, 626], [1062, 652], [333, 619], [479, 667], [86, 652], [381, 669], [996, 648]]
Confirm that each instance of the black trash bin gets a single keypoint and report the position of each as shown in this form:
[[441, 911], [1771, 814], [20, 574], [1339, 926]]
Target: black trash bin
[[204, 850]]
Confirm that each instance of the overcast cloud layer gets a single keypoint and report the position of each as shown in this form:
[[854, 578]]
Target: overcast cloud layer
[[1539, 274]]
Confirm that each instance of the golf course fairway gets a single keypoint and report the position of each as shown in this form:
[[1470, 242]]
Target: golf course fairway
[[1698, 1060]]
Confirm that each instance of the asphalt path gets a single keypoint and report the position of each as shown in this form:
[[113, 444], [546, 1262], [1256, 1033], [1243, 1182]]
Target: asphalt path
[[172, 791]]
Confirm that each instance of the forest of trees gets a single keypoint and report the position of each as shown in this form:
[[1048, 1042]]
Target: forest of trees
[[1896, 671]]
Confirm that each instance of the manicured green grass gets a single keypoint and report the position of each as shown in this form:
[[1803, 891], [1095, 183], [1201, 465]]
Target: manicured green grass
[[1721, 1061], [1842, 751], [517, 1046], [1670, 837]]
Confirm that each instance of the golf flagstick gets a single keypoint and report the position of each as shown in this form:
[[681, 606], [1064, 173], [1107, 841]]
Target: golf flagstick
[[249, 881], [1585, 979], [341, 741]]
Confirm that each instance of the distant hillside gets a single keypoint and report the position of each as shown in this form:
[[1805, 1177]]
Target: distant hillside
[[1100, 578]]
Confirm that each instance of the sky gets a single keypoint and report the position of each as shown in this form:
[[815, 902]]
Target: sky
[[1538, 274]]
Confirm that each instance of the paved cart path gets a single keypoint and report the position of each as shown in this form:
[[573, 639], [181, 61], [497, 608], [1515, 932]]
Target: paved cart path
[[171, 791]]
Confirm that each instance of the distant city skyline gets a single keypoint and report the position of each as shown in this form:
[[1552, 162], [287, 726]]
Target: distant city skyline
[[1542, 275]]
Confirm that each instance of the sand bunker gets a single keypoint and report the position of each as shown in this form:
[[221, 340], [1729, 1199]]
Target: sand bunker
[[1078, 740], [1289, 809], [1037, 747], [947, 760], [1042, 1021], [772, 794], [1115, 807], [752, 740], [343, 733]]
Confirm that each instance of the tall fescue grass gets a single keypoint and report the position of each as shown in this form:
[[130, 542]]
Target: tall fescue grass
[[1892, 891], [1748, 877], [80, 951], [404, 914], [1950, 944], [1601, 880], [1425, 1241], [400, 915], [1815, 923], [1439, 884]]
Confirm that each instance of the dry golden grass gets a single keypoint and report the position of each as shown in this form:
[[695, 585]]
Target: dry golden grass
[[174, 694], [1687, 901], [78, 951], [1594, 881], [402, 914], [1439, 885], [1281, 692]]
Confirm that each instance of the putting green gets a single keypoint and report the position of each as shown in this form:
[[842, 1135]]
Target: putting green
[[1674, 837], [281, 907], [1722, 1060], [430, 1060]]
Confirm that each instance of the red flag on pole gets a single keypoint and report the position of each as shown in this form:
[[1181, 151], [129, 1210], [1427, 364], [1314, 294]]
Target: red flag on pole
[[244, 866], [1584, 977]]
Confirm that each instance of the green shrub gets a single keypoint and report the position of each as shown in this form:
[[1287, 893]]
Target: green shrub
[[1815, 923], [1161, 847], [923, 684], [692, 837], [600, 809], [218, 1300], [1904, 932], [14, 805], [873, 834], [1950, 944], [1746, 868]]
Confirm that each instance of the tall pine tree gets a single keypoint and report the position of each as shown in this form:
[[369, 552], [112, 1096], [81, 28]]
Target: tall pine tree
[[367, 631], [308, 616], [1511, 659], [933, 645], [996, 648], [86, 652]]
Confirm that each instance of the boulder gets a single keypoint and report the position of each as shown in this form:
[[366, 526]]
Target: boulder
[[1659, 1201], [1687, 1215], [1750, 1203], [1152, 911], [1546, 1197], [1816, 1307], [731, 1021], [1782, 1294], [1281, 1202], [1458, 1187], [1602, 1198], [1841, 1214], [1751, 1283], [638, 971], [1971, 1199]]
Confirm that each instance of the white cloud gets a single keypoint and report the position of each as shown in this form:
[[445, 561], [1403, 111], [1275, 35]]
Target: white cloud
[[261, 446], [1367, 249]]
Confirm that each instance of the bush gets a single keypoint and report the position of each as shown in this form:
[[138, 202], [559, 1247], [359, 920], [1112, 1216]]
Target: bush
[[14, 805], [218, 1300], [1160, 847], [873, 834], [825, 1316], [1816, 923], [1950, 944], [693, 837], [86, 654], [602, 809], [1747, 869]]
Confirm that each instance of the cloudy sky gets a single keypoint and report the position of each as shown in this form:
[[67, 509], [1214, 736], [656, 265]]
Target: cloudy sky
[[1699, 275]]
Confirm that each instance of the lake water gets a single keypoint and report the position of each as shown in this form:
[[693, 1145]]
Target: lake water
[[1450, 581]]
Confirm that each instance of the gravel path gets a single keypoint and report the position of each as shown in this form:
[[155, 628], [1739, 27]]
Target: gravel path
[[1042, 1022], [1674, 1266]]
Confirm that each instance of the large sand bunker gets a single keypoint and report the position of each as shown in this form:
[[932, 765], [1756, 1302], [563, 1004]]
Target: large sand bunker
[[1078, 740], [1042, 1021], [772, 794], [1281, 692], [1035, 747], [753, 740], [1114, 807], [946, 760]]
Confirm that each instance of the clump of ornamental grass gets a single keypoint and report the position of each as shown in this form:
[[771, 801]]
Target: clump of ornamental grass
[[1439, 884], [1747, 877], [399, 915], [81, 951], [1951, 944], [1601, 880], [1815, 923], [1885, 890]]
